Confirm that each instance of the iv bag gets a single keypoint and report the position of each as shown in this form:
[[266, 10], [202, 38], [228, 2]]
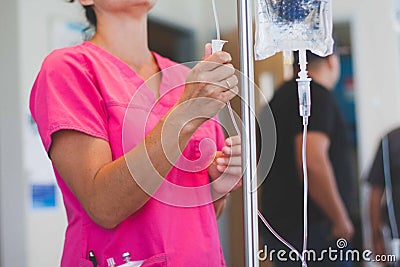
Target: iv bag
[[291, 25]]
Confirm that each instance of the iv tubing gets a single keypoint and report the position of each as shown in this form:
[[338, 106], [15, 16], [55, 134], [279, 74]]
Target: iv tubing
[[270, 228], [305, 195], [304, 94], [216, 20], [233, 118], [278, 236], [219, 38]]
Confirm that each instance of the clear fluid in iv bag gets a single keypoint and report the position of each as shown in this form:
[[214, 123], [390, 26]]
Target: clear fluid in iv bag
[[290, 25]]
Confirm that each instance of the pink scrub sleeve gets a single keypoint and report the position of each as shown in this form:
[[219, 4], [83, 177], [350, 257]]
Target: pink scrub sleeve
[[65, 97]]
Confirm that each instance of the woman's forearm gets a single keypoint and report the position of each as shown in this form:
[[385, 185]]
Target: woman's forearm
[[133, 178], [110, 190]]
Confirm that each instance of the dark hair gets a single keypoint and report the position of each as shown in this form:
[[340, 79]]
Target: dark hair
[[311, 57], [90, 14]]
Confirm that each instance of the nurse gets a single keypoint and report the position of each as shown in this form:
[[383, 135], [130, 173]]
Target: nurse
[[134, 156]]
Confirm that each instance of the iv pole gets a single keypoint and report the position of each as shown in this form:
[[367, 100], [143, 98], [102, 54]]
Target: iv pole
[[245, 20]]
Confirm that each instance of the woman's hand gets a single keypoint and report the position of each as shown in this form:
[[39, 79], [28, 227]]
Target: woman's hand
[[210, 85], [226, 169]]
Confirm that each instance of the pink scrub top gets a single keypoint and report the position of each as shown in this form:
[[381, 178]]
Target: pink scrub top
[[85, 88]]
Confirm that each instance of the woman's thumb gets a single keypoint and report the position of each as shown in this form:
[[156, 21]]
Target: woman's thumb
[[207, 50]]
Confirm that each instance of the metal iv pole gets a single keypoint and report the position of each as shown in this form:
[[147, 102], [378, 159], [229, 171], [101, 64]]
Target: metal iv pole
[[245, 20]]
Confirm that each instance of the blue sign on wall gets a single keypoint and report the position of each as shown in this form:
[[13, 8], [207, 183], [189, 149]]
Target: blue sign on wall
[[344, 93], [43, 196]]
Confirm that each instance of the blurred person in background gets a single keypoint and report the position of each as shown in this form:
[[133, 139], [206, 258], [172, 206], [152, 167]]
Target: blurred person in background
[[385, 174]]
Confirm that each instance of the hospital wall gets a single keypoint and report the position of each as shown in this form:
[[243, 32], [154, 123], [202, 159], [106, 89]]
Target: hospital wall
[[31, 236], [12, 184]]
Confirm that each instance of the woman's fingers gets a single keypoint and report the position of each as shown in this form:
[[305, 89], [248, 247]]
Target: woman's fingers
[[223, 76], [231, 161], [220, 74], [229, 94], [228, 163], [233, 140], [228, 84], [221, 57], [226, 183], [212, 62], [207, 50], [218, 92], [235, 150], [212, 82]]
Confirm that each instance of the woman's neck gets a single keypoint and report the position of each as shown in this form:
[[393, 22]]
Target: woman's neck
[[125, 38]]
